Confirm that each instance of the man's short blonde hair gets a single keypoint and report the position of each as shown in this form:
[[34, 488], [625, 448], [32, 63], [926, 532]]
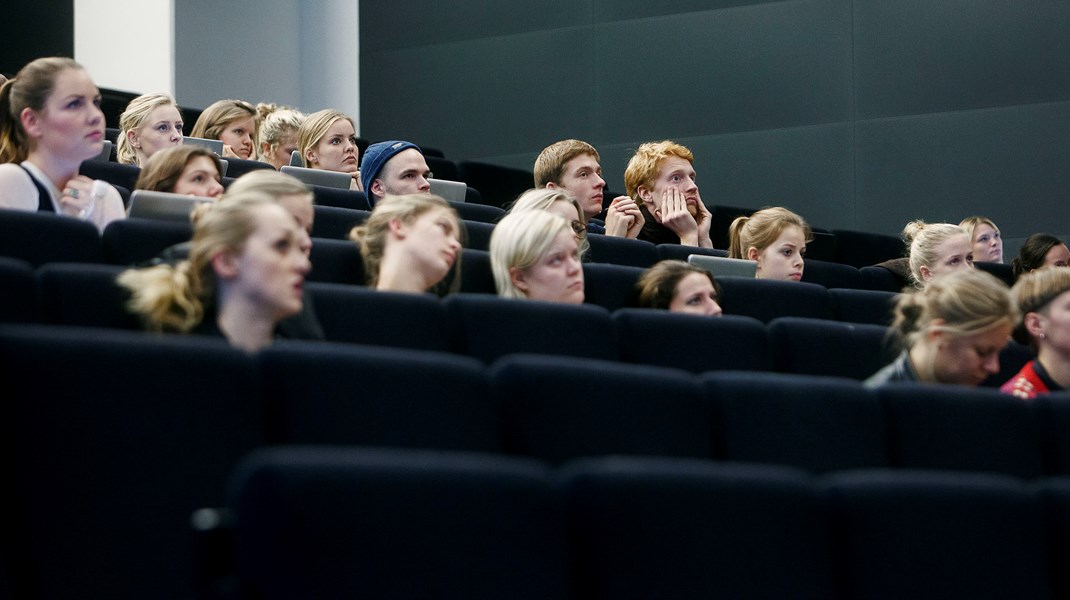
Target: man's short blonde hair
[[550, 165]]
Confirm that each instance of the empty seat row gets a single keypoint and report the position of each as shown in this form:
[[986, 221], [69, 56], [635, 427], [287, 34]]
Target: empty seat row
[[413, 524], [113, 438]]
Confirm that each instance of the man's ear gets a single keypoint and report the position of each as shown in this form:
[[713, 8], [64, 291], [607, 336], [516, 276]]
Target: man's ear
[[519, 279], [225, 265], [645, 193], [377, 188], [551, 186]]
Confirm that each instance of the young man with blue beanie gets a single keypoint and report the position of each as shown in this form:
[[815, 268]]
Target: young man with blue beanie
[[395, 167]]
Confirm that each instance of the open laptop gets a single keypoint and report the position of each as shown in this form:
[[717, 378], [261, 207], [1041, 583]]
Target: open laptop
[[320, 177], [453, 191], [215, 146], [145, 204], [720, 266]]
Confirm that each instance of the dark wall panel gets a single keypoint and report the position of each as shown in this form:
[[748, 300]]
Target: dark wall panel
[[921, 56], [31, 30], [421, 23], [1010, 164], [482, 97], [755, 67], [622, 10]]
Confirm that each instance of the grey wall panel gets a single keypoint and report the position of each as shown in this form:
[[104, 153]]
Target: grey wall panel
[[620, 10], [756, 67], [414, 23], [920, 56], [1010, 164], [218, 58], [482, 97]]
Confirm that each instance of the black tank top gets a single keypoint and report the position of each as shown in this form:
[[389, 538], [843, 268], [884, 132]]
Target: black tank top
[[44, 200]]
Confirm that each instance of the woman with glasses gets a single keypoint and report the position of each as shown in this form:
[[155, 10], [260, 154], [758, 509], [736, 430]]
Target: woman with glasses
[[560, 202]]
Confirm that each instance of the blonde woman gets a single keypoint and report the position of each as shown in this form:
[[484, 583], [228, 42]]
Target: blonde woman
[[1043, 297], [985, 239], [560, 202], [245, 273], [775, 238], [952, 331], [232, 122], [535, 255], [328, 140], [149, 124], [936, 249], [276, 137], [410, 243]]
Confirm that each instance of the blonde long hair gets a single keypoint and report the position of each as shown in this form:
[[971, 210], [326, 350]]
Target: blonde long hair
[[134, 117]]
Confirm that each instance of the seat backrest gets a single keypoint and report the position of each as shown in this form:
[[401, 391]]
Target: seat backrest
[[335, 223], [961, 428], [348, 523], [820, 424], [328, 196], [863, 306], [442, 168], [559, 408], [476, 274], [622, 251], [831, 275], [336, 261], [489, 327], [691, 342], [112, 172], [676, 528], [40, 238], [1004, 273], [610, 286], [377, 396], [478, 234], [361, 315], [84, 295], [819, 347], [681, 252], [498, 185], [236, 167], [911, 534], [18, 302], [134, 241], [881, 279], [766, 299], [478, 212], [861, 248], [1052, 415], [119, 437]]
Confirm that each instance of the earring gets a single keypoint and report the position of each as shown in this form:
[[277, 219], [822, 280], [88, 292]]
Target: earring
[[1042, 336]]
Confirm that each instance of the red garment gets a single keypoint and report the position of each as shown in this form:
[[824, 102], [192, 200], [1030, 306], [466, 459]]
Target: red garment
[[1027, 384]]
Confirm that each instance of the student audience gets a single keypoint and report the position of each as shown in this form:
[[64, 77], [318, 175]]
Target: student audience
[[661, 179], [535, 254], [1043, 299], [410, 243], [232, 122], [952, 331], [276, 137], [573, 165], [676, 286], [50, 121], [985, 238], [186, 170], [775, 238], [560, 202], [1040, 250], [394, 167], [245, 273], [327, 140], [149, 124]]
